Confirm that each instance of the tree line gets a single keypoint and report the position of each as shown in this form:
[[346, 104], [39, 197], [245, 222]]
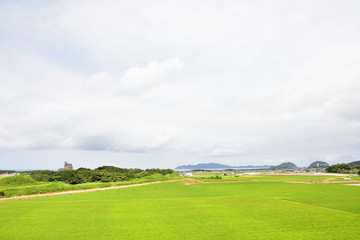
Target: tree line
[[100, 174], [343, 168]]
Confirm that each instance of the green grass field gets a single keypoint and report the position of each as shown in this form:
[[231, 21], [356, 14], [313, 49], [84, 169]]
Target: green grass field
[[250, 210], [268, 178]]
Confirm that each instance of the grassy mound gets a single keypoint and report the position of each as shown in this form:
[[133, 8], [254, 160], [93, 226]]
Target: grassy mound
[[18, 180]]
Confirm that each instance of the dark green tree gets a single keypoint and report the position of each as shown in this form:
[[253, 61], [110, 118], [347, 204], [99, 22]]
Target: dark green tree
[[338, 168]]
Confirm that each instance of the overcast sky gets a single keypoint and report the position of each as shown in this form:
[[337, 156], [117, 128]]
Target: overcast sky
[[163, 83]]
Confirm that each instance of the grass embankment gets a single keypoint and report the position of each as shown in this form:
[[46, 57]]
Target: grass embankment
[[256, 210], [24, 185]]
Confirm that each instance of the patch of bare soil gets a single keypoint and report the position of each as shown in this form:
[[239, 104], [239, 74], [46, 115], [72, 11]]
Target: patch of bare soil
[[185, 182], [356, 184]]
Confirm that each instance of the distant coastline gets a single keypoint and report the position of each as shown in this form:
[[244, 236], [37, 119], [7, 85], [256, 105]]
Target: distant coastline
[[212, 166]]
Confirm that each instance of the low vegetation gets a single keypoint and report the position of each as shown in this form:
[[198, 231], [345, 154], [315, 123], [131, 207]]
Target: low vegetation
[[25, 185], [100, 174]]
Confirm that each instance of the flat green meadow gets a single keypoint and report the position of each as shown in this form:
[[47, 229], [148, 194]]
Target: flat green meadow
[[172, 210], [270, 178]]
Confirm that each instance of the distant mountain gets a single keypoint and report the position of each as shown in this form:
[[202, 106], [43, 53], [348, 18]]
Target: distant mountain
[[216, 166], [203, 166], [319, 164], [355, 163], [286, 165]]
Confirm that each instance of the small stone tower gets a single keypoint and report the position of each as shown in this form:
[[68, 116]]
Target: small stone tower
[[67, 166]]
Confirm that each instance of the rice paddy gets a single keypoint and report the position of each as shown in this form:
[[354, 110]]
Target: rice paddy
[[270, 208]]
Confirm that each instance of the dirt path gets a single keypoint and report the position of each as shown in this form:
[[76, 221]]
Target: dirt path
[[79, 191]]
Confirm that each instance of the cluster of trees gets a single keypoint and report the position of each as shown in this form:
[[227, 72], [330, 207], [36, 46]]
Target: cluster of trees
[[6, 171], [100, 174], [343, 168]]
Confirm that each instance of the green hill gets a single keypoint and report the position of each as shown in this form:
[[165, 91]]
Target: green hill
[[355, 163], [18, 180], [319, 164], [288, 165]]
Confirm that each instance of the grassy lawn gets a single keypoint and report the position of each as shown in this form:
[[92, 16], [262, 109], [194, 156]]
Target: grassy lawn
[[256, 210]]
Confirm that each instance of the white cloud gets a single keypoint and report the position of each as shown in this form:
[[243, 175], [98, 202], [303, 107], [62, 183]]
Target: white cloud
[[136, 77], [243, 81]]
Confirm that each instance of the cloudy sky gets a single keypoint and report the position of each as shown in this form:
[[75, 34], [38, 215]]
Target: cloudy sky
[[163, 83]]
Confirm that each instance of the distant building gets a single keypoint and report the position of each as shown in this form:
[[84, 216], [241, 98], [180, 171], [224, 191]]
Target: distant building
[[187, 174], [67, 166], [252, 173]]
